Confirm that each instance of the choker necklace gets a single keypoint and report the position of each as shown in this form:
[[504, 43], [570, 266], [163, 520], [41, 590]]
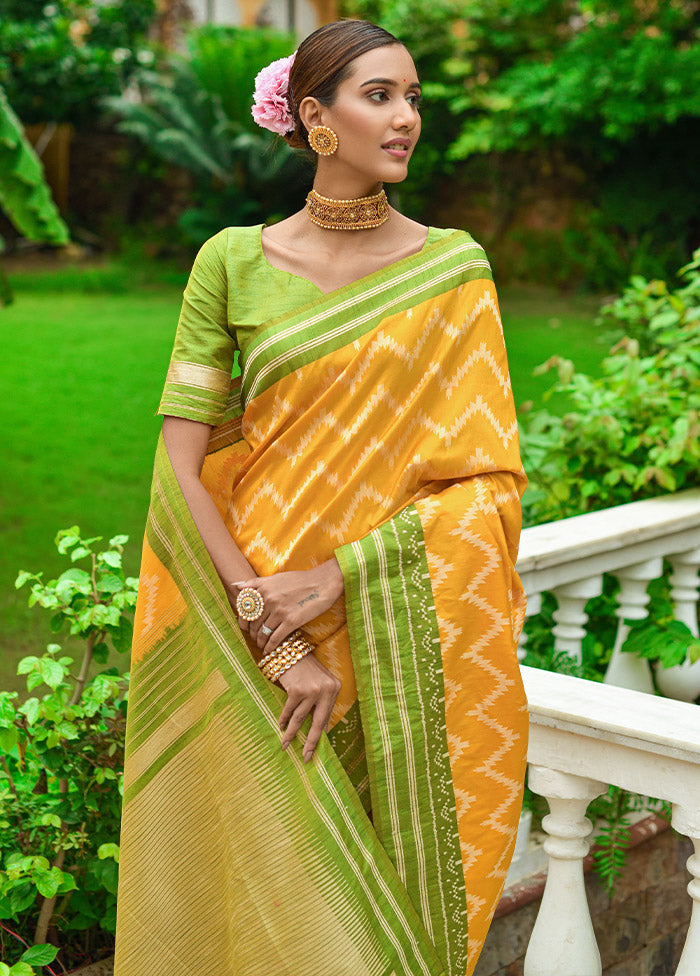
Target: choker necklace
[[357, 214]]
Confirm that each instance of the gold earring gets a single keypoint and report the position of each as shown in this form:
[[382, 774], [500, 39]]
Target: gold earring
[[323, 140]]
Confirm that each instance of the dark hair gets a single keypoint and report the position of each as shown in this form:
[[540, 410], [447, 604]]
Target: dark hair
[[323, 61]]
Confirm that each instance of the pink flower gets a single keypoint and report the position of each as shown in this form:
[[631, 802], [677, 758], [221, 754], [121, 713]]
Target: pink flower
[[271, 108]]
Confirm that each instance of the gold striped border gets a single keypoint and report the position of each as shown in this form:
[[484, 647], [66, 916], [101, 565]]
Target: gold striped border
[[201, 377]]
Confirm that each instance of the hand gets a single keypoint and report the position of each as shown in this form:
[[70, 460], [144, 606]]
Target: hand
[[309, 685], [291, 600]]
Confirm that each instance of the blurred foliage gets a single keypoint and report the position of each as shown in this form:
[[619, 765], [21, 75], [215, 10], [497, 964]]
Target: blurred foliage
[[24, 195], [59, 57], [196, 113], [634, 432], [603, 96]]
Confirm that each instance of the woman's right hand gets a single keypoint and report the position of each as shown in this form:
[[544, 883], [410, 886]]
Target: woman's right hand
[[309, 686]]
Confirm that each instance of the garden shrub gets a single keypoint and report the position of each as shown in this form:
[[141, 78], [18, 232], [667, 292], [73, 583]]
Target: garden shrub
[[61, 768]]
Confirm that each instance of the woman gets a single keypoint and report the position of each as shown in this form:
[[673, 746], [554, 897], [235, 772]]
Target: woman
[[351, 807]]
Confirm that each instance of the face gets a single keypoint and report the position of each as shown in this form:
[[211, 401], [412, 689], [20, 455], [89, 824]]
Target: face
[[375, 116]]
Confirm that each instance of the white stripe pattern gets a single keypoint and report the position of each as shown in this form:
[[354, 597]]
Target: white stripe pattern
[[272, 722], [354, 322]]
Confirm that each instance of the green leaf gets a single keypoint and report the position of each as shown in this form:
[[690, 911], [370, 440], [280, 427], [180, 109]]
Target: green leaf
[[8, 739], [40, 955], [108, 850], [22, 578], [34, 680], [110, 583], [22, 969], [56, 623], [51, 672], [47, 882], [30, 709], [50, 820], [79, 553], [119, 540], [27, 664], [112, 559], [67, 538], [100, 652]]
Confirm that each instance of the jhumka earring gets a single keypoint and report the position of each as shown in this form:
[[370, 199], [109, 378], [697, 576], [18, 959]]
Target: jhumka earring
[[323, 140]]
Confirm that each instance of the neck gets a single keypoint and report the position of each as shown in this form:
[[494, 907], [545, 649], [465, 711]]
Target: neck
[[350, 189]]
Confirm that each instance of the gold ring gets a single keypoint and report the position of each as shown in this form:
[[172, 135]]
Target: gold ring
[[250, 604]]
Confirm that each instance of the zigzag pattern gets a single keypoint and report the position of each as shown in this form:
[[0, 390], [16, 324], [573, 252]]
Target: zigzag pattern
[[484, 701], [418, 411]]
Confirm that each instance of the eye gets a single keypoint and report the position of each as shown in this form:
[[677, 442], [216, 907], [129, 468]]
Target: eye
[[381, 93], [414, 99]]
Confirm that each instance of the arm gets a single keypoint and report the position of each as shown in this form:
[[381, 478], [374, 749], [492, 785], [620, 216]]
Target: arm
[[309, 685]]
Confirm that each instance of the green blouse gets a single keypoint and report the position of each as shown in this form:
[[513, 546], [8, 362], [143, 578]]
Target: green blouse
[[232, 290]]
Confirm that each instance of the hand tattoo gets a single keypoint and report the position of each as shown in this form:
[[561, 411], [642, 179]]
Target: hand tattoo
[[311, 596]]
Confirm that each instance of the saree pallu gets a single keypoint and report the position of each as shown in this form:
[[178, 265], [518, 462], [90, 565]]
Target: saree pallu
[[376, 425]]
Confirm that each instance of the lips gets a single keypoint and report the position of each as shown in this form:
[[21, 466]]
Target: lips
[[399, 144]]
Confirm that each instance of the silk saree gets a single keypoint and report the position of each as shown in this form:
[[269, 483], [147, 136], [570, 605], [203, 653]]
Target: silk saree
[[375, 423]]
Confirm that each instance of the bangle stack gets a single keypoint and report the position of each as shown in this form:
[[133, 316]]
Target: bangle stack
[[291, 650]]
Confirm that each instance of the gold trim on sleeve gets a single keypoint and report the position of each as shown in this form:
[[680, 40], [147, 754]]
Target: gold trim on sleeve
[[202, 377]]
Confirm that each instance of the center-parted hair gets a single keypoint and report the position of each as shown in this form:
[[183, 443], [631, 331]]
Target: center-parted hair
[[323, 61]]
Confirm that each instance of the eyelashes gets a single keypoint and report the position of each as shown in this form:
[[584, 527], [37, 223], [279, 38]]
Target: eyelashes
[[414, 100]]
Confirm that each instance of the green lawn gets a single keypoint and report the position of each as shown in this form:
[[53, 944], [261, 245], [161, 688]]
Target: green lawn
[[84, 359]]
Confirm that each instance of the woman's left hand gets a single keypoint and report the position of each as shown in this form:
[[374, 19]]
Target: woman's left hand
[[291, 600]]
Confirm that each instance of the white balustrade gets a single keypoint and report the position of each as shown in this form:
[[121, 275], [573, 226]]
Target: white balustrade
[[585, 735], [569, 557]]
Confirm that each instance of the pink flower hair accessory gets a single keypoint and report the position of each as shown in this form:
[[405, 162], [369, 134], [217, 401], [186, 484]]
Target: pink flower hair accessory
[[271, 107]]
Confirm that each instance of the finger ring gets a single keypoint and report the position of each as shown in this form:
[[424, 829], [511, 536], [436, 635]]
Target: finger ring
[[265, 629], [250, 604]]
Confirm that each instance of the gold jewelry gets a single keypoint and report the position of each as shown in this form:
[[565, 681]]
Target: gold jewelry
[[360, 214], [322, 140], [250, 604], [291, 650]]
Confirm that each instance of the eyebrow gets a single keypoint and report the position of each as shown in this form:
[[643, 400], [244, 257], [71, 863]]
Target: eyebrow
[[387, 81]]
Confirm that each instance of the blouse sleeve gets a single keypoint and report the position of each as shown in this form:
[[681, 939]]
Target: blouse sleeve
[[199, 376]]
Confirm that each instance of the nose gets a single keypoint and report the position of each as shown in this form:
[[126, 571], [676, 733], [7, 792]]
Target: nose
[[405, 116]]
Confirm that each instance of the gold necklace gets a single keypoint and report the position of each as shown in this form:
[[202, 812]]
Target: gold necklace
[[360, 214]]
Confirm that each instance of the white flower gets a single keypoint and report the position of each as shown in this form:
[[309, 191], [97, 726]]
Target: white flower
[[50, 10], [145, 57], [120, 54]]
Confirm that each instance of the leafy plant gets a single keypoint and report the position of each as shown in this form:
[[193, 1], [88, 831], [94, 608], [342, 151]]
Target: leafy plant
[[61, 762], [58, 58], [188, 116], [634, 431], [24, 194]]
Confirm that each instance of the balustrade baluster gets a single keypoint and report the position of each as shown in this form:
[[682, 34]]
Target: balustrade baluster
[[629, 670], [570, 614], [534, 605], [686, 820], [563, 942], [683, 682]]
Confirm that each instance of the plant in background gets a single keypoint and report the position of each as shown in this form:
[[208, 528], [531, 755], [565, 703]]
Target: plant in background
[[196, 114], [59, 57], [24, 195], [635, 431], [61, 762]]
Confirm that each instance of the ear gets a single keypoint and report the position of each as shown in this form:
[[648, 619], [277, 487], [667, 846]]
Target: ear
[[310, 112]]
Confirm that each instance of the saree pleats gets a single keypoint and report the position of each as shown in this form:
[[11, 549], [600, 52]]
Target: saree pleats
[[376, 424]]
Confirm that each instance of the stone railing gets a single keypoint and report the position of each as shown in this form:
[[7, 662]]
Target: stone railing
[[630, 542], [586, 735]]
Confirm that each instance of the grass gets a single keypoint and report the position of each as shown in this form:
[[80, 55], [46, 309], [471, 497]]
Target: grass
[[85, 351]]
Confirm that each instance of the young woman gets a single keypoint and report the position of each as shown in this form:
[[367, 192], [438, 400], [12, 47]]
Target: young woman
[[327, 727]]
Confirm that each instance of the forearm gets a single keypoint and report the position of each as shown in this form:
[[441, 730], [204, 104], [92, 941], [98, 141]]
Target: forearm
[[228, 560]]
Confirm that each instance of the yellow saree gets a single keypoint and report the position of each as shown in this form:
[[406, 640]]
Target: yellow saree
[[377, 424]]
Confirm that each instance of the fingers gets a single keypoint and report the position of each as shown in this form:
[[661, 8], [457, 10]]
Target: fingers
[[296, 720], [322, 713], [319, 695]]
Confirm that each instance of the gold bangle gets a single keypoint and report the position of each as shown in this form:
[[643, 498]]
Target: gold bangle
[[290, 651]]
